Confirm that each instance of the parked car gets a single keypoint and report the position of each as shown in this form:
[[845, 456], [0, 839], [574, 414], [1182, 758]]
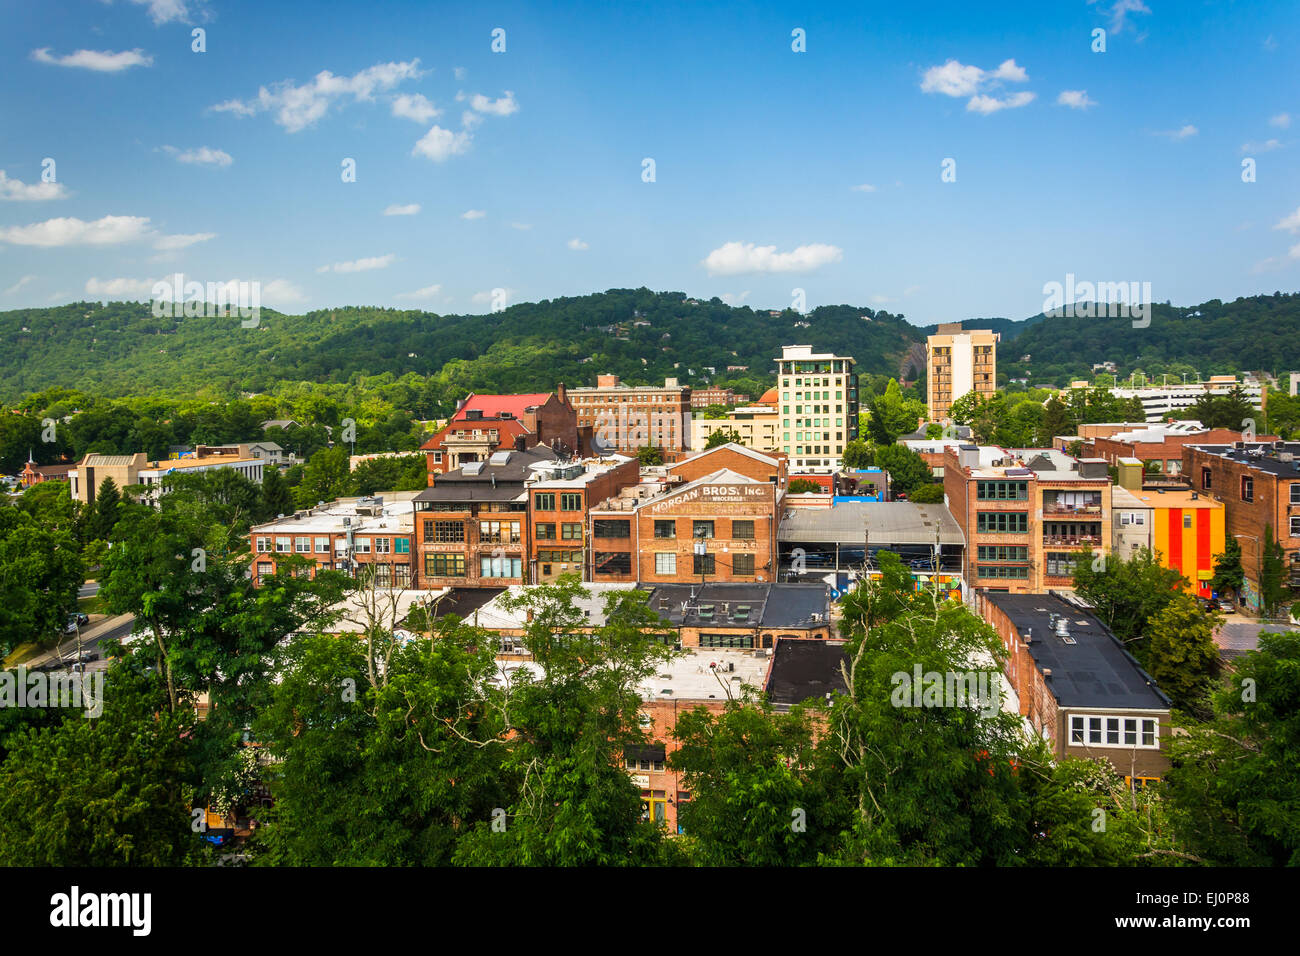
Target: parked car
[[921, 564], [75, 621], [85, 656], [1223, 604]]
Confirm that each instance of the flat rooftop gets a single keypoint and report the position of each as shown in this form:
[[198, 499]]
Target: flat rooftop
[[1095, 670], [1262, 456], [805, 669], [886, 522], [701, 674], [742, 605]]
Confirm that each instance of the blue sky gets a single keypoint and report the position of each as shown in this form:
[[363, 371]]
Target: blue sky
[[526, 165]]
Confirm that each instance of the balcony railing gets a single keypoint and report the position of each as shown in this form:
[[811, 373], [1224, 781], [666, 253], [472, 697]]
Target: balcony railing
[[1052, 508], [1071, 540]]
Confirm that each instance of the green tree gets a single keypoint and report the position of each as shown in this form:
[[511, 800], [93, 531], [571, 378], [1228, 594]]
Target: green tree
[[1182, 655], [576, 805], [277, 499], [857, 454], [804, 486], [107, 502], [649, 455], [926, 494], [907, 470], [110, 791], [759, 795], [1056, 421], [1127, 594], [1234, 787], [40, 571], [1228, 573], [1273, 590], [723, 436], [325, 478]]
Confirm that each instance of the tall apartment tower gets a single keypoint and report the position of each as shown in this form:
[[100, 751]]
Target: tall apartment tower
[[959, 362], [818, 405]]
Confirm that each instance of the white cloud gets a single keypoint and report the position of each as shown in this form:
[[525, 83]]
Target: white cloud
[[361, 265], [441, 144], [120, 288], [1281, 120], [102, 61], [1120, 10], [499, 107], [958, 79], [1290, 223], [733, 299], [202, 156], [473, 214], [172, 243], [864, 188], [1182, 132], [469, 119], [459, 72], [428, 292], [164, 11], [737, 258], [408, 210], [17, 190], [991, 104], [19, 284], [521, 226], [577, 245], [882, 299], [69, 231], [1265, 147], [281, 292], [1075, 99], [952, 79], [415, 106], [298, 106]]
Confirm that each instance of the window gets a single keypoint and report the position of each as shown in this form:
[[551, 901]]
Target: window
[[544, 501], [444, 531], [1002, 522], [1247, 488], [322, 545], [611, 528], [402, 575], [571, 501], [703, 564], [499, 567], [363, 546], [1001, 490], [571, 531], [1295, 492], [560, 557], [613, 562], [401, 545], [264, 570], [383, 545], [1114, 731], [282, 545], [1140, 783], [1002, 552], [1187, 521], [1295, 526], [742, 530], [546, 531], [498, 532], [263, 544], [668, 529], [1000, 571], [702, 529], [444, 565], [743, 564], [726, 640], [666, 563], [1060, 564]]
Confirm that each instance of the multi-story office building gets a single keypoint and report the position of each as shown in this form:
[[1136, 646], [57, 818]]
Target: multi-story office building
[[1026, 514], [626, 418], [759, 428], [1259, 485], [957, 363], [819, 407], [125, 470], [704, 397], [1159, 402]]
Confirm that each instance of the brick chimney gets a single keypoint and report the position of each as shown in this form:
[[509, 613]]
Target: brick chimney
[[562, 394]]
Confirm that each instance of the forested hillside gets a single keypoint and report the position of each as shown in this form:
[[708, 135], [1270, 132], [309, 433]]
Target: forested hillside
[[121, 348]]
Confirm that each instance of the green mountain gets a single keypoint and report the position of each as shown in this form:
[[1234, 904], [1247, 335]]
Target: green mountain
[[120, 348]]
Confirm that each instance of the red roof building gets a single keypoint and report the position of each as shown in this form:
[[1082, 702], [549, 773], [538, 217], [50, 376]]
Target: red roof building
[[487, 423]]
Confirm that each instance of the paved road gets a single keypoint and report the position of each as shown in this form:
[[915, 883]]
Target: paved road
[[89, 589], [114, 628]]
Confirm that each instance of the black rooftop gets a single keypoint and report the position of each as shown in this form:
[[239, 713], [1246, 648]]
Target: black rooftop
[[1095, 670], [803, 669], [1262, 456], [742, 604]]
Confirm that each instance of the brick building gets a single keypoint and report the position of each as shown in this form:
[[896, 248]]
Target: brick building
[[347, 535], [1259, 486], [959, 362], [704, 397], [1026, 514], [1077, 685], [626, 418], [560, 501], [34, 474], [1160, 444], [484, 424]]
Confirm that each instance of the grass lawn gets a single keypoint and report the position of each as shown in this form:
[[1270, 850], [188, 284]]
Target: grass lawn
[[91, 605]]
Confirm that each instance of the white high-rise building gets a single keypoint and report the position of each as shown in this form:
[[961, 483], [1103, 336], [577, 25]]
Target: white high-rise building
[[818, 407]]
